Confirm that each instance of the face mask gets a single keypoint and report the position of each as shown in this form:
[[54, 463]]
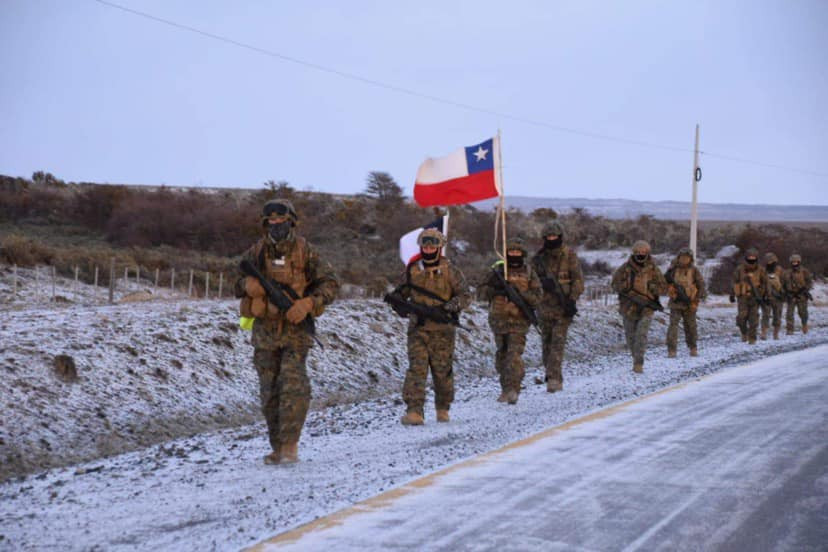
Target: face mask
[[552, 244], [795, 265], [751, 261], [430, 257], [640, 258], [771, 267], [514, 261], [279, 232]]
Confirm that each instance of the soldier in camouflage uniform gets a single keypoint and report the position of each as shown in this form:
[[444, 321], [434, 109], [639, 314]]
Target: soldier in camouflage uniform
[[556, 261], [508, 323], [683, 272], [750, 288], [432, 281], [776, 296], [797, 283], [640, 278], [280, 343]]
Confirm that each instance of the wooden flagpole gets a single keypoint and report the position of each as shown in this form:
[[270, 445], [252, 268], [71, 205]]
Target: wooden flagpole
[[502, 204], [694, 209]]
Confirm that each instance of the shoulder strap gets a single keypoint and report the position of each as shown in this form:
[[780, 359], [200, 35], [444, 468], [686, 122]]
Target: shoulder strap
[[418, 289]]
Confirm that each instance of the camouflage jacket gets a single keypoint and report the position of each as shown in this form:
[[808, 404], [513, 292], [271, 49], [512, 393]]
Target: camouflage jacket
[[505, 317], [563, 264], [796, 282], [645, 281], [293, 263], [776, 283], [744, 276], [444, 280], [690, 278]]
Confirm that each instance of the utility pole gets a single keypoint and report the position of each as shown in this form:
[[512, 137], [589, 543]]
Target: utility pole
[[694, 208]]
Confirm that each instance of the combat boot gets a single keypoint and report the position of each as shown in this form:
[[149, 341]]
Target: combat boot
[[694, 351], [442, 415], [804, 328], [512, 397], [789, 331], [412, 418], [502, 397], [273, 458], [553, 385], [289, 453], [671, 353], [751, 341], [638, 367], [776, 333], [744, 338], [764, 335]]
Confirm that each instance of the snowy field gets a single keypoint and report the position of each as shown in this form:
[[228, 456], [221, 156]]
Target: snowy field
[[150, 373]]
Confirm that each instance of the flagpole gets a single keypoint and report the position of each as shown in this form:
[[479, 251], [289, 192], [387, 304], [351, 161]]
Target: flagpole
[[502, 204], [446, 227]]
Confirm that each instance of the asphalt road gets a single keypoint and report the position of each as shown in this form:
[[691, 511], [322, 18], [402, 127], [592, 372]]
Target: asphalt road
[[735, 461]]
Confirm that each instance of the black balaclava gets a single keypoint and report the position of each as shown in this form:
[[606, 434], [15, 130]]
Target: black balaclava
[[430, 259], [752, 261], [771, 267], [552, 244], [514, 261], [640, 259], [279, 231]]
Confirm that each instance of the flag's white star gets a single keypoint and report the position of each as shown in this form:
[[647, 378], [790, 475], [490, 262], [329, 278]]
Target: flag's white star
[[481, 153]]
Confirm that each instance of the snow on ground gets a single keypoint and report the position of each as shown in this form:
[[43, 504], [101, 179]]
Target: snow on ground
[[211, 490]]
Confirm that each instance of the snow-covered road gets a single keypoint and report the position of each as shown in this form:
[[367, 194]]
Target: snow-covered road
[[736, 461]]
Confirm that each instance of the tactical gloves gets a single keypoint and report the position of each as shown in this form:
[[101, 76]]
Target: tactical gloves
[[299, 310], [732, 298], [452, 305]]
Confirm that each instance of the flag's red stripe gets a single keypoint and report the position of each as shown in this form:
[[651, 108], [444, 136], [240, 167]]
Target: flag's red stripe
[[457, 191]]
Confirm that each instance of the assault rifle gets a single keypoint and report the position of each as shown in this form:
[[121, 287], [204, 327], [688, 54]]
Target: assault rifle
[[405, 307], [552, 285], [280, 295], [642, 301], [753, 291], [514, 297], [681, 293], [800, 293]]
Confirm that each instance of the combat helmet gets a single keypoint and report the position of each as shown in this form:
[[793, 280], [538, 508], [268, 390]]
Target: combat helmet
[[431, 236], [641, 248], [685, 251], [278, 208], [554, 228], [771, 258], [517, 243], [795, 258]]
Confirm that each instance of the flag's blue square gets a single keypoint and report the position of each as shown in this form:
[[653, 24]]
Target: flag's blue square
[[480, 157]]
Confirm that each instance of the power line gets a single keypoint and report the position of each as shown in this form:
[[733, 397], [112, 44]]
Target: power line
[[438, 99]]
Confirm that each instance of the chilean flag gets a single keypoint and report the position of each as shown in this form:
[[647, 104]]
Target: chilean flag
[[467, 175], [409, 250]]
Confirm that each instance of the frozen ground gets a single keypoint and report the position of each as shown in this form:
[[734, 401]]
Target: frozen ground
[[211, 491]]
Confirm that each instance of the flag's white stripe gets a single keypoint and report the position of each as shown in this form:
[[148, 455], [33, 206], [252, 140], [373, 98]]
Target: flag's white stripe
[[435, 170], [496, 156], [408, 245]]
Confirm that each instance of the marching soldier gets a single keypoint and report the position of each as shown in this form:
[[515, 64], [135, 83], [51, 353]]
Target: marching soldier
[[798, 282], [685, 289], [560, 274], [434, 282], [750, 287], [281, 337], [508, 320], [776, 296], [639, 283]]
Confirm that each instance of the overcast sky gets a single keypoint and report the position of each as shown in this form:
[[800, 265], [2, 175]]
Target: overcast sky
[[90, 92]]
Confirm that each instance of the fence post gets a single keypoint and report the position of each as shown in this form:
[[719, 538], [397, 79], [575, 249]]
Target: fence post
[[221, 283], [75, 290], [138, 274], [126, 276], [95, 286], [37, 283], [14, 281], [54, 283], [172, 281], [206, 285], [111, 280], [157, 273], [190, 286]]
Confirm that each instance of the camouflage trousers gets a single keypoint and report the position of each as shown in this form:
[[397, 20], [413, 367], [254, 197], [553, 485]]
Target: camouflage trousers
[[509, 360], [284, 390], [636, 330], [429, 349], [772, 308], [801, 305], [688, 318], [747, 316], [553, 337]]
